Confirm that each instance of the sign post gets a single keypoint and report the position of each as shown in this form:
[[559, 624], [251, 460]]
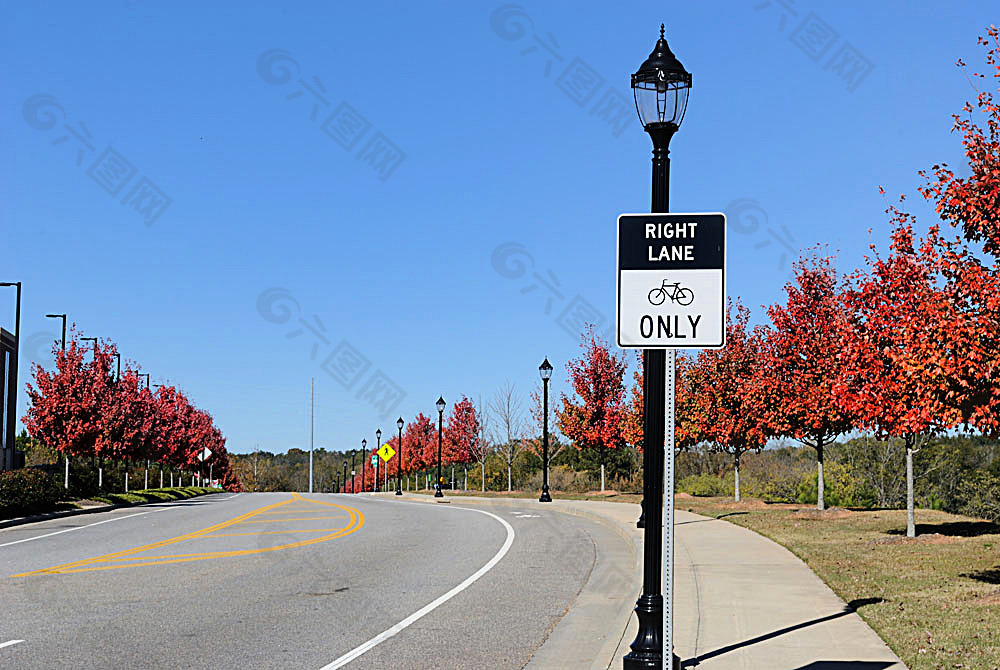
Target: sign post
[[671, 295]]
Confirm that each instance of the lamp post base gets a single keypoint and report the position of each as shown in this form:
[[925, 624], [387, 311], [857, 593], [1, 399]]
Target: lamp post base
[[399, 491], [437, 491], [647, 648], [545, 497]]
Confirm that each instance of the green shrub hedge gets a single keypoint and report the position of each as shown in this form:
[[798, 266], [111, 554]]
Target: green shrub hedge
[[26, 491]]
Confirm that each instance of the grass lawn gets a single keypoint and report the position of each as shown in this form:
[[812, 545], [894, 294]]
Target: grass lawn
[[153, 495], [941, 590]]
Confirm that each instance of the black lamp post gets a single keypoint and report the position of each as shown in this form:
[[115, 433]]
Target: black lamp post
[[352, 470], [7, 458], [661, 87], [364, 458], [399, 463], [437, 482], [545, 370], [63, 317], [146, 375], [345, 475], [118, 375], [378, 445]]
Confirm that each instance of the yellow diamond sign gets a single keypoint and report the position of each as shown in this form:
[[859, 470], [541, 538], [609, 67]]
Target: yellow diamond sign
[[386, 452]]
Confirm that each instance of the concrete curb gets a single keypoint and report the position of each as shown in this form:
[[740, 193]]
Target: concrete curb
[[48, 516], [561, 641]]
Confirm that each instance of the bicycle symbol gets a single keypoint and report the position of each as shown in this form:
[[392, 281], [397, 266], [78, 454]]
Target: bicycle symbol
[[682, 296]]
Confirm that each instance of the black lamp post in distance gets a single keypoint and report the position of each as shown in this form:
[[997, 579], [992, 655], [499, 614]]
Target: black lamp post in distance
[[352, 470], [345, 476], [545, 370], [661, 86], [437, 483], [91, 339], [63, 317], [378, 445], [364, 459], [399, 463]]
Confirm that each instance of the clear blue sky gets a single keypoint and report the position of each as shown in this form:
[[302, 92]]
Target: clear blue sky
[[467, 126]]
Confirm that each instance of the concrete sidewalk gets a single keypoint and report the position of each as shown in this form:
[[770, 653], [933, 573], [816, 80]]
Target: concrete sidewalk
[[744, 601]]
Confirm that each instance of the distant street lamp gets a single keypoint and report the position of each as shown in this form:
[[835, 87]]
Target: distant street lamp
[[378, 445], [353, 451], [118, 375], [661, 86], [399, 463], [7, 459], [91, 339], [63, 317], [545, 370], [364, 457], [345, 475], [437, 483]]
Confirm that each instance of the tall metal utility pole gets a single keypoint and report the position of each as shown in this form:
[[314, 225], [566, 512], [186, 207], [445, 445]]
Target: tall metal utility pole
[[312, 396]]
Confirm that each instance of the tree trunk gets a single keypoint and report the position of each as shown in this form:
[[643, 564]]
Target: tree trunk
[[483, 469], [508, 478], [602, 468], [820, 486], [737, 473], [911, 526]]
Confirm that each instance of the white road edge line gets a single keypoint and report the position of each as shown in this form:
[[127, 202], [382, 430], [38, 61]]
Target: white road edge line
[[431, 606], [10, 643], [66, 530]]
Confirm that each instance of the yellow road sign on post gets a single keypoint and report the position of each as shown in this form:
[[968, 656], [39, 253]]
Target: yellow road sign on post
[[386, 452]]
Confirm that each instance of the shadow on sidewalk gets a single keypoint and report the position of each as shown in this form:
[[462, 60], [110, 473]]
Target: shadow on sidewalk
[[715, 518], [850, 608], [846, 665]]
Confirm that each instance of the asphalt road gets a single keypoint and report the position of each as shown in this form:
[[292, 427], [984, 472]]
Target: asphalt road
[[290, 581]]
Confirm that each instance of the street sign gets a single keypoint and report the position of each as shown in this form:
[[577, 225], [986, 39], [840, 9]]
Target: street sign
[[671, 281], [205, 453], [386, 452], [374, 459]]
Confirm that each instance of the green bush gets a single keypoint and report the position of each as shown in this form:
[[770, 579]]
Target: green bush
[[981, 495], [26, 491], [705, 485], [840, 489]]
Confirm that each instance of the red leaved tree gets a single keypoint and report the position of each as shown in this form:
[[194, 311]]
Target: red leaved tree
[[971, 204], [803, 363], [900, 355], [65, 408], [594, 417], [728, 405], [461, 432]]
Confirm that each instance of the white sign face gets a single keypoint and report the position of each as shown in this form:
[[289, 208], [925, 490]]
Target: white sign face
[[206, 452], [671, 281]]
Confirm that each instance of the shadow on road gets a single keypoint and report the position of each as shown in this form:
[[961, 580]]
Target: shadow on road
[[850, 608], [953, 529], [845, 665]]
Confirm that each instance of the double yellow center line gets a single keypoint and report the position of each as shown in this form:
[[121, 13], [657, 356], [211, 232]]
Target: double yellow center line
[[128, 558]]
